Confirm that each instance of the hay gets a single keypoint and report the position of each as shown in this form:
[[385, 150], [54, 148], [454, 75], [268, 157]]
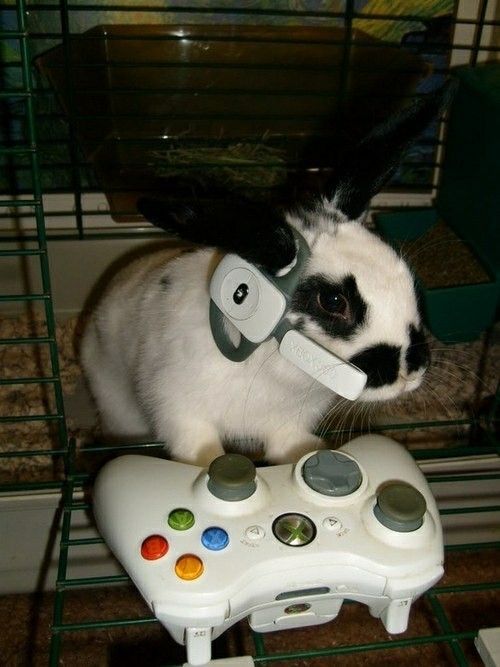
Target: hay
[[441, 259], [238, 165]]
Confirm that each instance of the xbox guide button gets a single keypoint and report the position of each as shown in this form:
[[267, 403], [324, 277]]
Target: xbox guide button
[[295, 530]]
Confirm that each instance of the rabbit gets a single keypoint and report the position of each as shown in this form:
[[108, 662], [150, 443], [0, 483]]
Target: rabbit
[[148, 351]]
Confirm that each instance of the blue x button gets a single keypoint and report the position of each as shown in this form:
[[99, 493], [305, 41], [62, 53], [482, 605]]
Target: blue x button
[[215, 538]]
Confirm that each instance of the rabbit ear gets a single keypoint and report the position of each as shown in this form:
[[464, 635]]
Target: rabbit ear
[[252, 230], [365, 169]]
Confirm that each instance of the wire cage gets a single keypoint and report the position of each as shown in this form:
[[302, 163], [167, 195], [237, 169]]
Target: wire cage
[[104, 101]]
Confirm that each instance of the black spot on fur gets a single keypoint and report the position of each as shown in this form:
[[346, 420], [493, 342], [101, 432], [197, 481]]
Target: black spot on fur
[[418, 354], [299, 324], [307, 297], [380, 363], [165, 282]]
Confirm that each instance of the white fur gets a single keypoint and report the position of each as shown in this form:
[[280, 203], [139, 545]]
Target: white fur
[[155, 370]]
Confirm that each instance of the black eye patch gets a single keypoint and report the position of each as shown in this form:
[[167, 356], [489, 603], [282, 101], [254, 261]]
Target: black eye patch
[[318, 291]]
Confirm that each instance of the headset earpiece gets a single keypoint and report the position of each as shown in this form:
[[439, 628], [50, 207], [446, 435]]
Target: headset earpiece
[[256, 304]]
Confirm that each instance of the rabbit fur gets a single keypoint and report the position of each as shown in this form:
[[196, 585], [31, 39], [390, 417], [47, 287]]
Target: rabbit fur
[[148, 351]]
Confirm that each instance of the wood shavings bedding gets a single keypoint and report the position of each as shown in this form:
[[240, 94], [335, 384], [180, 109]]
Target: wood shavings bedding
[[19, 400]]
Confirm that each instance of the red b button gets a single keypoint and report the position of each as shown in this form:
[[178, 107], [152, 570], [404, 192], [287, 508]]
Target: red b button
[[154, 547]]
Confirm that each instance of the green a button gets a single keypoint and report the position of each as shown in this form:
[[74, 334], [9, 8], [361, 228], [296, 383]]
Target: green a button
[[180, 519]]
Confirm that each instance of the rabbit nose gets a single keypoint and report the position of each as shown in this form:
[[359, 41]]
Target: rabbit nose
[[413, 381], [418, 354], [380, 363]]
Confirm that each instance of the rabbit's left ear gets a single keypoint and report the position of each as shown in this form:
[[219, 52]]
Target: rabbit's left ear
[[251, 230], [369, 165]]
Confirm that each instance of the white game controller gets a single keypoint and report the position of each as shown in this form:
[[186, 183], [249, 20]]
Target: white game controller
[[284, 545]]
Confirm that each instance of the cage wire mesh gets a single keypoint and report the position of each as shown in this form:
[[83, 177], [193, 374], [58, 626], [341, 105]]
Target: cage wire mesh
[[121, 99]]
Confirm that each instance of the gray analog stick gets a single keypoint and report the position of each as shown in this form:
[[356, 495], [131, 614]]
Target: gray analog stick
[[232, 477], [400, 507]]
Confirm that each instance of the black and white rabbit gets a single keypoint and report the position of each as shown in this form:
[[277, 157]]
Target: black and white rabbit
[[148, 350]]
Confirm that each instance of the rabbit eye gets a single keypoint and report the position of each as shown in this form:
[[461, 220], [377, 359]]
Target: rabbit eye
[[333, 303], [336, 307]]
